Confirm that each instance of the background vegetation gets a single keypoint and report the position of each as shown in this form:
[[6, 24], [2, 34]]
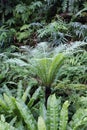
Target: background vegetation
[[43, 65]]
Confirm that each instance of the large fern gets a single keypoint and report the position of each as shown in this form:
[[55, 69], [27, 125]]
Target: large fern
[[46, 68]]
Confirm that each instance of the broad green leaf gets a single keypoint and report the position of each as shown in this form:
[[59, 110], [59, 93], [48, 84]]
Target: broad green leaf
[[52, 113], [64, 116], [54, 67], [26, 115], [41, 124]]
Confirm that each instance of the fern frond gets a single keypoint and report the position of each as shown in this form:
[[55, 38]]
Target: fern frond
[[54, 67], [26, 93], [64, 5], [34, 97], [9, 102], [43, 111], [3, 105], [79, 119], [19, 125], [46, 68], [7, 90], [64, 116], [19, 90], [4, 125], [41, 124], [26, 115], [52, 113], [17, 61]]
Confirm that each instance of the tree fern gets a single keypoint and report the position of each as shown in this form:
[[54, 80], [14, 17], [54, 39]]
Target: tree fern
[[46, 68]]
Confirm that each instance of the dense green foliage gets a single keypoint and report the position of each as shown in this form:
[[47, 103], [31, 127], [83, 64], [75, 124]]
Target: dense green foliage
[[27, 22], [43, 65]]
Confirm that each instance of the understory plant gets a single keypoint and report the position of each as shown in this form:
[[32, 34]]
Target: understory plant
[[46, 68], [56, 32], [16, 114], [16, 107], [46, 65], [43, 87]]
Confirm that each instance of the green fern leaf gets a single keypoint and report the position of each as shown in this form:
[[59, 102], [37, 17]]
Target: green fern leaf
[[20, 8], [26, 115], [4, 125], [64, 116], [3, 105], [34, 97], [26, 93], [52, 113], [78, 119], [54, 67], [43, 112], [47, 68], [41, 124], [19, 90], [9, 102]]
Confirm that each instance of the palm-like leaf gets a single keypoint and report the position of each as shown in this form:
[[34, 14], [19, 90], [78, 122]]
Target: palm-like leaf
[[54, 67], [47, 68]]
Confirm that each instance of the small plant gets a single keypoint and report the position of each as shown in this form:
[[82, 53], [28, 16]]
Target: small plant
[[70, 6], [6, 36], [23, 11], [17, 107], [79, 31], [57, 32]]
